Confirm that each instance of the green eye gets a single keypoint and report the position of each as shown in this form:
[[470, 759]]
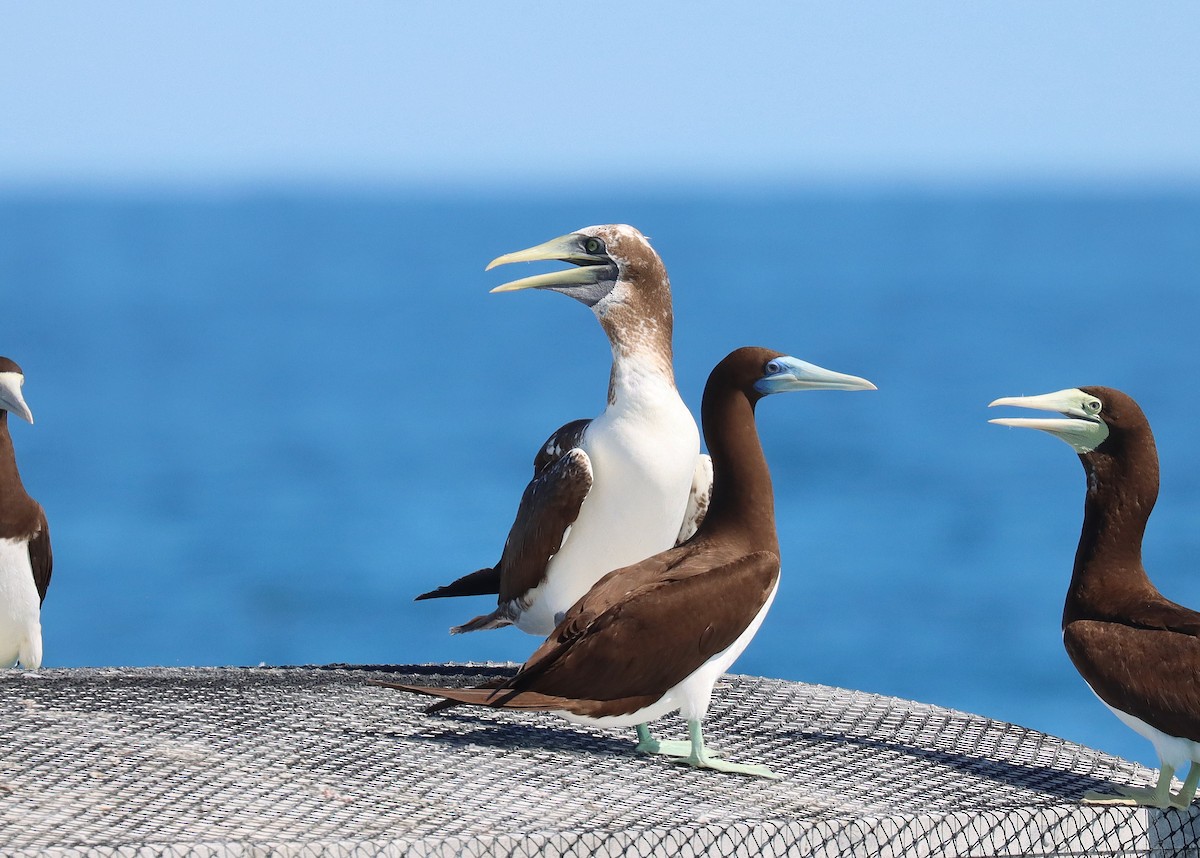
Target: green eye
[[1094, 406], [593, 245]]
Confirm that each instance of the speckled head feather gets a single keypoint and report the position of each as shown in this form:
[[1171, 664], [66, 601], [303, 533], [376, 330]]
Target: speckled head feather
[[636, 312], [620, 277]]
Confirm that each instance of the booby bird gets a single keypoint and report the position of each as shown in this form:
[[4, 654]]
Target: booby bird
[[653, 637], [610, 491], [1136, 650], [25, 558]]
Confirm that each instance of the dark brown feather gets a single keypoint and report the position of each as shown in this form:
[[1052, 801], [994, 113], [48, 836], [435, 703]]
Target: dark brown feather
[[1139, 651], [549, 505], [21, 517], [526, 700], [643, 629], [479, 583], [41, 558], [1152, 674]]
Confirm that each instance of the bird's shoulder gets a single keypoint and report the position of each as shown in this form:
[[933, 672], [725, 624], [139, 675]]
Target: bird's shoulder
[[561, 440], [659, 588]]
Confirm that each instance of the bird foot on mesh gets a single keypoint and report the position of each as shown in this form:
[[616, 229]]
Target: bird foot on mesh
[[1159, 795], [702, 757], [1130, 797], [648, 744]]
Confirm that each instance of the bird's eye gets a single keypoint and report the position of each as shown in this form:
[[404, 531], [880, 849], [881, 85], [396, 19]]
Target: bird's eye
[[1093, 405], [773, 367], [593, 245]]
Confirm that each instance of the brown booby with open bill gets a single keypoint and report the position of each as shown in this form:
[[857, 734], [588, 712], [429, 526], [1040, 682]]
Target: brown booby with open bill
[[616, 489], [652, 638], [1138, 651], [25, 558]]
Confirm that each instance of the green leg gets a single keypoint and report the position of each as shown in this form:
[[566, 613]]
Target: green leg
[[647, 744], [1158, 796], [1183, 798], [702, 758]]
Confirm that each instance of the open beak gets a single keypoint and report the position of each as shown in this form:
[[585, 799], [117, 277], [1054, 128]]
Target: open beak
[[1082, 429], [590, 267]]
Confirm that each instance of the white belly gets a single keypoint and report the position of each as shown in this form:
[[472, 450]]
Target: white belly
[[20, 609], [1172, 750], [692, 695], [643, 460]]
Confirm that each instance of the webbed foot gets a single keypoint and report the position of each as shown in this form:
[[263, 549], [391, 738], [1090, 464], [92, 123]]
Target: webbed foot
[[701, 757], [1159, 795], [648, 744]]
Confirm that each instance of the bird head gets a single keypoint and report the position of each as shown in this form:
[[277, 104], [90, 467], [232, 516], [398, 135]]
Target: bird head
[[11, 379], [603, 256]]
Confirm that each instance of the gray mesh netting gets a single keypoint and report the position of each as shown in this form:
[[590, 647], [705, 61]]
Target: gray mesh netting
[[315, 761]]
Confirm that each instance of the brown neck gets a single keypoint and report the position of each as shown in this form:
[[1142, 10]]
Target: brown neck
[[1122, 489], [15, 503], [638, 320], [742, 497]]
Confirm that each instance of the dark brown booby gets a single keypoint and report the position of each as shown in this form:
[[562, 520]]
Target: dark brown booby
[[654, 637], [1136, 650], [25, 558], [610, 491]]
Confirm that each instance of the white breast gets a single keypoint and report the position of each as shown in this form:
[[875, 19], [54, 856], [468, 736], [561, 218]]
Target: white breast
[[643, 452], [20, 610]]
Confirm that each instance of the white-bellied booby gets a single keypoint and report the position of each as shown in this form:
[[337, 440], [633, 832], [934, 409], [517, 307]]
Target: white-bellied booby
[[1136, 650], [653, 637], [610, 491], [25, 558]]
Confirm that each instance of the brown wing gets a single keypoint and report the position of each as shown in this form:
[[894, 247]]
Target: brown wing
[[1152, 674], [645, 628], [1161, 613], [479, 583], [41, 558], [549, 505]]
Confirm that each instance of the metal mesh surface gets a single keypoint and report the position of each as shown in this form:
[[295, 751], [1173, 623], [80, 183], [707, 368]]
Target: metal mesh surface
[[315, 761]]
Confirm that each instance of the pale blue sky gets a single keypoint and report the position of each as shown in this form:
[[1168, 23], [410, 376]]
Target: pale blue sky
[[580, 95]]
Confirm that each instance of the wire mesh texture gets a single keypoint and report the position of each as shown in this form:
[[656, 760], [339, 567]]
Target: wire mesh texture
[[316, 761]]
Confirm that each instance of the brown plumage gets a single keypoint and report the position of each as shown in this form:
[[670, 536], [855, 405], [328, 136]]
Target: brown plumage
[[1137, 650], [21, 517], [653, 637], [26, 560]]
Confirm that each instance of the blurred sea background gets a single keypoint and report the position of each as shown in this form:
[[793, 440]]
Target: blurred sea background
[[275, 400], [265, 422]]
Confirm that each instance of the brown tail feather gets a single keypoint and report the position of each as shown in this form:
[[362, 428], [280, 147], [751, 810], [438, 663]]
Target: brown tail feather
[[497, 698], [533, 701], [443, 705], [482, 582]]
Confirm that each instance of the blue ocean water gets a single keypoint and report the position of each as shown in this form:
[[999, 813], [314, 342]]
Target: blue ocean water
[[266, 420]]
